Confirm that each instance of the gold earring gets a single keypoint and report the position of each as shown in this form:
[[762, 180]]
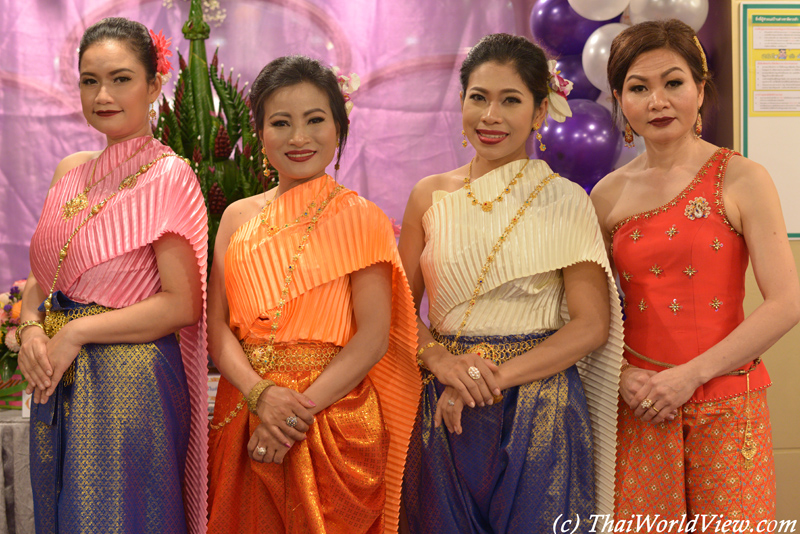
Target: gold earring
[[698, 126], [152, 112], [536, 127], [266, 162], [464, 142], [628, 136]]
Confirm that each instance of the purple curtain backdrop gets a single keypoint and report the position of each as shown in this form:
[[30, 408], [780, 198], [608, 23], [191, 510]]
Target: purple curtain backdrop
[[405, 125]]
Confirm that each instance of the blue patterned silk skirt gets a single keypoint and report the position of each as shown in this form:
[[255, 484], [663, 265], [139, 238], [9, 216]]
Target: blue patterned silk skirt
[[108, 449], [518, 464]]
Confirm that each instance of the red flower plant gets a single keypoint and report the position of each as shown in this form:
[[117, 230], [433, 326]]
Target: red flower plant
[[162, 51]]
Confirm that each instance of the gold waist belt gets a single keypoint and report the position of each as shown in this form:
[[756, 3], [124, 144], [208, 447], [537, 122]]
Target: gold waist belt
[[735, 372], [289, 358], [55, 321]]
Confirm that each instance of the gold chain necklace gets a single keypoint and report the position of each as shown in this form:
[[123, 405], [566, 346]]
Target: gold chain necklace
[[79, 203], [488, 205], [495, 249], [273, 229], [127, 183]]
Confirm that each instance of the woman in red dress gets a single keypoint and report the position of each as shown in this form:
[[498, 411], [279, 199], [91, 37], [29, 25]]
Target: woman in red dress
[[681, 220]]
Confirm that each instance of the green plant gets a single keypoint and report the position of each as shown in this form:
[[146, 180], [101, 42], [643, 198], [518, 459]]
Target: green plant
[[219, 140]]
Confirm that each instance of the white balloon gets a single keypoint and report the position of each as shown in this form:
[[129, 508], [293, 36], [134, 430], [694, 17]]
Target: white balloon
[[599, 10], [692, 12], [595, 54], [605, 100]]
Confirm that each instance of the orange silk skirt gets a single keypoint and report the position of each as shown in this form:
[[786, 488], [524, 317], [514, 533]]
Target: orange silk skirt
[[693, 465], [330, 483]]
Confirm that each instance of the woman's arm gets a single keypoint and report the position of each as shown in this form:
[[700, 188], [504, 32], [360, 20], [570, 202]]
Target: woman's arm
[[32, 359], [754, 209], [178, 304], [449, 369], [372, 307], [586, 288]]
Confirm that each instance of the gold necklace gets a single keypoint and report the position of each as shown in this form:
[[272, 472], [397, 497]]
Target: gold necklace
[[495, 249], [79, 203], [488, 205], [273, 229]]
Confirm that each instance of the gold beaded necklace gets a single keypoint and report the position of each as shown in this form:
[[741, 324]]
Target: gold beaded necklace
[[495, 249], [78, 203], [488, 205], [127, 183], [273, 229]]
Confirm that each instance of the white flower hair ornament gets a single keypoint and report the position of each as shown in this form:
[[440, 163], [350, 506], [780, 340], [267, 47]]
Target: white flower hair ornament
[[347, 85], [558, 88]]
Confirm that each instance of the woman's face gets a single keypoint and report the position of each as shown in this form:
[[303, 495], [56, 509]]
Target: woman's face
[[498, 112], [659, 97], [115, 93], [299, 133]]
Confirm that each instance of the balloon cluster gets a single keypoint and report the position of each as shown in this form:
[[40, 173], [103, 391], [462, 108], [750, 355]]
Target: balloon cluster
[[588, 145]]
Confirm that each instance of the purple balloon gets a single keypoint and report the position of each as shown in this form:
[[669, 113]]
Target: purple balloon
[[571, 68], [558, 27], [585, 147]]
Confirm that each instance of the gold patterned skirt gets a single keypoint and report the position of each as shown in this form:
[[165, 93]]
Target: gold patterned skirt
[[108, 449], [332, 482]]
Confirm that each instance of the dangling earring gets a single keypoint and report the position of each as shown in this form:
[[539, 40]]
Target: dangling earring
[[152, 112], [266, 162], [336, 167], [536, 127], [464, 142], [698, 126], [628, 136]]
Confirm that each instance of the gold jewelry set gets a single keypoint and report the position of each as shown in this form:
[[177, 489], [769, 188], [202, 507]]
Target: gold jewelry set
[[484, 350], [489, 205], [266, 356], [79, 203]]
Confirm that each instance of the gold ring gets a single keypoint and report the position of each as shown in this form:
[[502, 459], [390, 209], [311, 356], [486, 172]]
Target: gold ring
[[291, 422], [654, 409], [261, 451], [474, 373], [646, 404]]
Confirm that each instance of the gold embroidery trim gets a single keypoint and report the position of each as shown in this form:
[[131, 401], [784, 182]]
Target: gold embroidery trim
[[718, 184], [674, 202], [57, 321]]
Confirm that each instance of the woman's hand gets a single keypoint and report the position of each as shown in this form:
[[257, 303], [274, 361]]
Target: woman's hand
[[61, 351], [668, 390], [454, 371], [33, 361], [262, 440], [448, 409], [631, 381], [278, 407]]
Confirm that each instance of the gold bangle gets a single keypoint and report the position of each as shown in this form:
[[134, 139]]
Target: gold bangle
[[25, 325], [255, 394]]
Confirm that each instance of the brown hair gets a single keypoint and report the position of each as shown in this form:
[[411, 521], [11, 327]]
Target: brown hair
[[134, 34], [672, 35]]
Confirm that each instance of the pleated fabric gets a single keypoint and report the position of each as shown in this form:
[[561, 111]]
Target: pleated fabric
[[111, 263], [352, 233], [523, 291]]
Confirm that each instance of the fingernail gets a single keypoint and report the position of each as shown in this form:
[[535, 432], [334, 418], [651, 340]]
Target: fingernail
[[47, 383], [287, 444], [491, 402], [497, 392], [49, 373], [312, 403], [471, 404]]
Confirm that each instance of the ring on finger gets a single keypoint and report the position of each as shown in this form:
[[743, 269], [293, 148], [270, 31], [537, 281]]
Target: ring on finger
[[261, 451], [291, 421], [654, 409], [451, 402], [474, 373], [646, 404]]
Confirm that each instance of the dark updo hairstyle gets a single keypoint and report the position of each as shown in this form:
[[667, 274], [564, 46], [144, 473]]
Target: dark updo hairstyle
[[528, 60], [672, 35], [134, 34], [292, 70]]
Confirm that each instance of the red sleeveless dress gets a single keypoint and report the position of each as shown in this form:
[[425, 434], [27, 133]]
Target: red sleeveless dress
[[682, 268]]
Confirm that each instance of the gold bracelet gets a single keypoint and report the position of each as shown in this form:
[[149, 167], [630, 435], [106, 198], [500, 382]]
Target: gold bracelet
[[421, 363], [625, 367], [255, 393], [25, 325]]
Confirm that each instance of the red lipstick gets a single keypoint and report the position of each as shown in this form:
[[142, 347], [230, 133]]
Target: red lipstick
[[491, 137], [106, 113], [300, 155], [662, 121]]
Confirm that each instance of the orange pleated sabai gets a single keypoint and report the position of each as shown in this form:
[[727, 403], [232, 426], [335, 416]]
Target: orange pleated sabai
[[345, 477]]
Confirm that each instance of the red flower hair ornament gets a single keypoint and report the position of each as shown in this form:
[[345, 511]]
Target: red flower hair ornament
[[162, 53]]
